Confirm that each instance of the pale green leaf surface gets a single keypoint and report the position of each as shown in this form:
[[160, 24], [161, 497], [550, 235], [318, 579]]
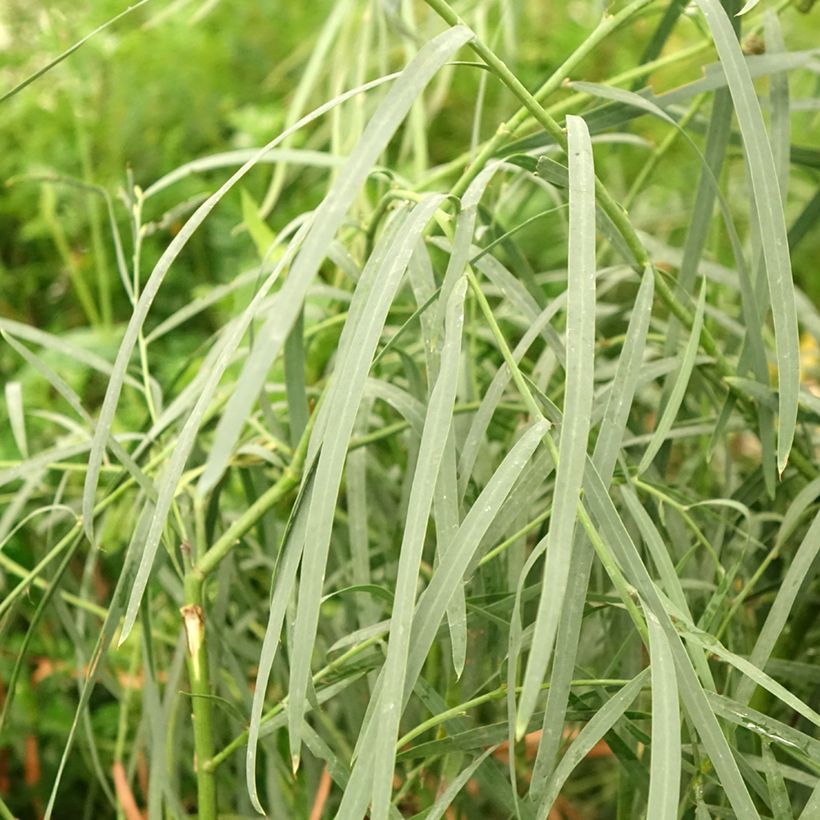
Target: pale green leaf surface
[[580, 340], [664, 774], [434, 438], [17, 415], [605, 454], [687, 364], [778, 793]]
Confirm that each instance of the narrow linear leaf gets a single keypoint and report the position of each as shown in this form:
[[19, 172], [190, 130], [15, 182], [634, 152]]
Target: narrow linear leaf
[[69, 51], [812, 807], [801, 502], [446, 500], [665, 767], [230, 159], [61, 346], [107, 632], [764, 726], [432, 604], [678, 393], [42, 460], [618, 540], [778, 793], [603, 720], [771, 220], [438, 809], [605, 455], [167, 486], [284, 584], [431, 452], [433, 601], [494, 393], [17, 415], [625, 381], [577, 411], [356, 495], [76, 405]]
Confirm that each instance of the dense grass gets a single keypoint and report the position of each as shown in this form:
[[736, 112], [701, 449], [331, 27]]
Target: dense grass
[[412, 411]]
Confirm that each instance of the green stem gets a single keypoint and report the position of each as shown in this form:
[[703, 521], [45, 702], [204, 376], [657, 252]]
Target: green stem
[[488, 697], [193, 618], [227, 541], [566, 105], [30, 576], [500, 69], [606, 201], [515, 372], [508, 129], [12, 567], [508, 542], [400, 426]]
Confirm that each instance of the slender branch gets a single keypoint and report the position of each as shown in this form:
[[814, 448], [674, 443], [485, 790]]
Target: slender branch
[[508, 129], [288, 481], [563, 107], [239, 741], [533, 107], [488, 697]]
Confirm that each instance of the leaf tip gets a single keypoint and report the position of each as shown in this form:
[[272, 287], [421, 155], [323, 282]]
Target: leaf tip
[[256, 804], [127, 626]]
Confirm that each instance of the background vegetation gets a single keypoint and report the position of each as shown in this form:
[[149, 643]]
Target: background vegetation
[[409, 470]]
